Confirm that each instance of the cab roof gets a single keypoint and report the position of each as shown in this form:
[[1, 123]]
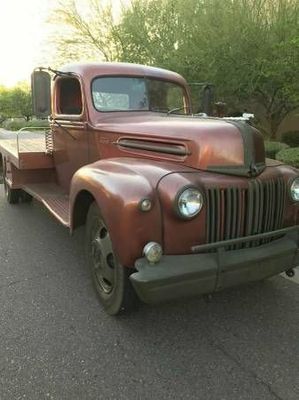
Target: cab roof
[[91, 70]]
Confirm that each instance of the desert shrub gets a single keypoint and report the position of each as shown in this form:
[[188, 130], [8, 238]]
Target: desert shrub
[[289, 156], [291, 138], [16, 124], [272, 148]]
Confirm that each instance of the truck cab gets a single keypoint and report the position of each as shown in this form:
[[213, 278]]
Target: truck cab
[[174, 204]]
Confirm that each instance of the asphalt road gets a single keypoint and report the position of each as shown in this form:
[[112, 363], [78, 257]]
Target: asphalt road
[[57, 343]]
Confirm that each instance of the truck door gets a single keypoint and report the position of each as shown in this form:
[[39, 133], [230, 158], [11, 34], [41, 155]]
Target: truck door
[[70, 137]]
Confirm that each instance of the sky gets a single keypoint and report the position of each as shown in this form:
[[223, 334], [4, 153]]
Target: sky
[[23, 33], [23, 29]]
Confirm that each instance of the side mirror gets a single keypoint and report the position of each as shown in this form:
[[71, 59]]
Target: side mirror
[[207, 99], [202, 95], [41, 93]]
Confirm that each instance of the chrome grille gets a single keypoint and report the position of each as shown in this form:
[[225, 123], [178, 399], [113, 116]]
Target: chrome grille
[[235, 212]]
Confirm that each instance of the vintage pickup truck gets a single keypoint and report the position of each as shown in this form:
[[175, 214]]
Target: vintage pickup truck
[[174, 204]]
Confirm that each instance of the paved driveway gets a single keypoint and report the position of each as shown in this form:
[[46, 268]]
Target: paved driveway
[[57, 343]]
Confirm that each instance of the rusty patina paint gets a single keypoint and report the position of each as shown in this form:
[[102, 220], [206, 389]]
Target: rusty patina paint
[[89, 157]]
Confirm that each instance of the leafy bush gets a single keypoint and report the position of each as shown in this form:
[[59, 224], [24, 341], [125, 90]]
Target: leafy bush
[[272, 148], [16, 124], [289, 156], [291, 138]]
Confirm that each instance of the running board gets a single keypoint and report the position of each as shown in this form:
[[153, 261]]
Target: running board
[[53, 198]]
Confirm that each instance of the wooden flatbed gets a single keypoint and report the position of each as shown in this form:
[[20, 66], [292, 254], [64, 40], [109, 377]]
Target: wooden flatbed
[[26, 150]]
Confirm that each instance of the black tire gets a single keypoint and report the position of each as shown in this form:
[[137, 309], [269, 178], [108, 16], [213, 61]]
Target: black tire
[[12, 195], [25, 197], [1, 169], [111, 280]]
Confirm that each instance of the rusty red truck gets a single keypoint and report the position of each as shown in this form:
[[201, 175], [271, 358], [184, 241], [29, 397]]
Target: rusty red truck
[[174, 204]]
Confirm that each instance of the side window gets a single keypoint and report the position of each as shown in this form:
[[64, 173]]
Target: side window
[[69, 96]]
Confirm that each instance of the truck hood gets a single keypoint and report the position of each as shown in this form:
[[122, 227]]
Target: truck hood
[[201, 143]]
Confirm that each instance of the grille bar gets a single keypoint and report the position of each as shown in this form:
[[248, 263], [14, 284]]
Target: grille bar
[[237, 212]]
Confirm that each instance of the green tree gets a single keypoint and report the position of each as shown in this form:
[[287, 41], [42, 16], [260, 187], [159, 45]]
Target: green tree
[[15, 102], [248, 48], [4, 103]]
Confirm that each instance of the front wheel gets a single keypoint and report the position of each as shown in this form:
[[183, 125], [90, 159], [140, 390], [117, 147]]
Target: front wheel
[[111, 280]]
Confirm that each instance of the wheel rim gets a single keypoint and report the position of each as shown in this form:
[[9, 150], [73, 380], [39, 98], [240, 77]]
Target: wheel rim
[[5, 187], [4, 179], [103, 260]]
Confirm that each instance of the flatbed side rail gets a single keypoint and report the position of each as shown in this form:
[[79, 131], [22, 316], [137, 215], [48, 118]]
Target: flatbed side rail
[[48, 137]]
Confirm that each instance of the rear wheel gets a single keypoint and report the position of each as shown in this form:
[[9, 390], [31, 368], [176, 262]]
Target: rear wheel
[[25, 197], [12, 195], [111, 280]]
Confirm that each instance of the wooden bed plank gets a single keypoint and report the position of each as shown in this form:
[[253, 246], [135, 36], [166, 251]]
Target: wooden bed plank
[[32, 149]]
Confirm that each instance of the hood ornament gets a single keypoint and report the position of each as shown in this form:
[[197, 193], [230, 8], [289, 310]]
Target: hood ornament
[[253, 170]]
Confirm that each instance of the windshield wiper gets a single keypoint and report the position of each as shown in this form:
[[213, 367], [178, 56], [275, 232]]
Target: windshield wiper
[[159, 109], [56, 72], [62, 127], [177, 109]]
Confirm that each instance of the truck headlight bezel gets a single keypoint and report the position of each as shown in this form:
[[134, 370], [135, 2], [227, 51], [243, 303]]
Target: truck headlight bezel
[[294, 189], [191, 195]]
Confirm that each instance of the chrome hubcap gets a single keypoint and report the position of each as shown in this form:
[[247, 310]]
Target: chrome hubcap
[[103, 258]]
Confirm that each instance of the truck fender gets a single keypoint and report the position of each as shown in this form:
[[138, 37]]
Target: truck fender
[[118, 190]]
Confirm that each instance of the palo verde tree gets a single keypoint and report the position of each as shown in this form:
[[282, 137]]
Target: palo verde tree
[[84, 33]]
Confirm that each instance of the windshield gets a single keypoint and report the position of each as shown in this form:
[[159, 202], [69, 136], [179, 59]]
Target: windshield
[[137, 94]]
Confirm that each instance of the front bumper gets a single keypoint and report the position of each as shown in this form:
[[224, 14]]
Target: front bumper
[[188, 275]]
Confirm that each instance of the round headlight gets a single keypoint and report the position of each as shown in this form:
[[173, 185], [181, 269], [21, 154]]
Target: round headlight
[[295, 189], [190, 202]]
